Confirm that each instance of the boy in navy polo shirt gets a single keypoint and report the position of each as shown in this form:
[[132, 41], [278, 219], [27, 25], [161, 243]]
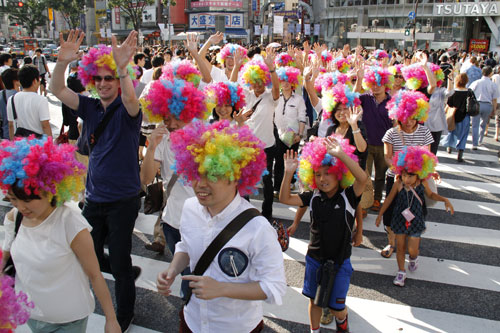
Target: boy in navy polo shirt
[[328, 168]]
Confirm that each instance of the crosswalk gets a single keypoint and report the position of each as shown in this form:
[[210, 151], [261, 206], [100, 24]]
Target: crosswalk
[[456, 288]]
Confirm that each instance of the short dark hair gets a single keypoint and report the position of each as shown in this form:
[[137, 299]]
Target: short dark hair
[[147, 51], [169, 52], [21, 194], [27, 60], [444, 58], [27, 74], [4, 57], [487, 70], [38, 50], [138, 57], [157, 61], [9, 76]]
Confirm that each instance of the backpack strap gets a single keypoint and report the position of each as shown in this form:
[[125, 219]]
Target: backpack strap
[[14, 113], [4, 95]]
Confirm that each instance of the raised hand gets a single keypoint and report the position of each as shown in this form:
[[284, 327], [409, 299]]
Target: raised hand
[[124, 53], [291, 161], [216, 38], [332, 146], [354, 116], [270, 56], [346, 50], [242, 116], [70, 48], [290, 50], [239, 56], [157, 135], [191, 42]]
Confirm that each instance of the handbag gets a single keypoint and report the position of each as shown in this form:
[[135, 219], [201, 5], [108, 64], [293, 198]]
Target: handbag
[[63, 137], [283, 237], [472, 105], [154, 200], [219, 241], [21, 131], [9, 268], [450, 117]]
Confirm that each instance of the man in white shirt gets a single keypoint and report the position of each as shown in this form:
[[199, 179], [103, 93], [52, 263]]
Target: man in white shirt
[[32, 110], [41, 63], [249, 267], [147, 75]]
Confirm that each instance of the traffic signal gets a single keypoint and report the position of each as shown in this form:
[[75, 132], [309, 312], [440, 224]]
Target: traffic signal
[[20, 4], [407, 32]]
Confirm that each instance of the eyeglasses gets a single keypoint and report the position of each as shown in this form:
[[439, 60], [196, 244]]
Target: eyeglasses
[[107, 78], [398, 76]]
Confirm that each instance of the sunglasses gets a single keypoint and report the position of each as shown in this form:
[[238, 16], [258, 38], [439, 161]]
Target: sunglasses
[[107, 78], [398, 76]]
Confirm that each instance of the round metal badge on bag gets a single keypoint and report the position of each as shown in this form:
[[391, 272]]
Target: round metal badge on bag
[[232, 261]]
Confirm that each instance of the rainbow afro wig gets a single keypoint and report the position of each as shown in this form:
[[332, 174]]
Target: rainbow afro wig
[[224, 93], [219, 151], [255, 72], [289, 74], [177, 97], [314, 156], [14, 309], [408, 104], [342, 64], [283, 59], [100, 57], [329, 80], [415, 77], [339, 94], [438, 72], [183, 70], [418, 160], [228, 51], [326, 56], [39, 165], [395, 70], [380, 55], [376, 76]]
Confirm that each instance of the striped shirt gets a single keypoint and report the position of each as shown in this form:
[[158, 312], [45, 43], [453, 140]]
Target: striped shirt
[[420, 137]]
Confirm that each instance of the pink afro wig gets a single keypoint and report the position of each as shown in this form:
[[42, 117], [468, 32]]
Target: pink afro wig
[[339, 94], [255, 72], [379, 55], [438, 72], [100, 57], [219, 151], [283, 59], [326, 56], [39, 165], [408, 104], [418, 160], [225, 93], [178, 98], [326, 81], [342, 64], [314, 156], [183, 70], [377, 76], [289, 74], [415, 76], [228, 51]]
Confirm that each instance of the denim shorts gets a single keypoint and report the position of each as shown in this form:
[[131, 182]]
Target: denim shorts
[[77, 326], [340, 286]]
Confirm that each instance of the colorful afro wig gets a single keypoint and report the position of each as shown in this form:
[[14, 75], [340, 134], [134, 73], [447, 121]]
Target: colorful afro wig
[[328, 80], [39, 165], [219, 151], [177, 97], [376, 76], [396, 70], [380, 55], [408, 104], [326, 56], [415, 76], [289, 74], [314, 156], [417, 160], [438, 72], [339, 94], [283, 59], [224, 93], [100, 57], [14, 309], [183, 70], [342, 64], [228, 51], [255, 72]]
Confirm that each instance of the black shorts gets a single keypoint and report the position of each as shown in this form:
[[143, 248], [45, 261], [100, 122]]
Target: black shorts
[[43, 82]]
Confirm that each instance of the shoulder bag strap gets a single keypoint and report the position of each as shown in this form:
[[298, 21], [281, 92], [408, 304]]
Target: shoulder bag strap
[[101, 126], [218, 243], [14, 113], [4, 94], [19, 218], [170, 185], [416, 196]]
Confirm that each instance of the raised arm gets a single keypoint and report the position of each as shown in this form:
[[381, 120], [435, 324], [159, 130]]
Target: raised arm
[[150, 166], [269, 60], [68, 52], [212, 40], [238, 61], [309, 84], [191, 44], [291, 164], [122, 55]]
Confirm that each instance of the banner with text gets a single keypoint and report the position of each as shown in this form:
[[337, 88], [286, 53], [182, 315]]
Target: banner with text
[[207, 20], [221, 3]]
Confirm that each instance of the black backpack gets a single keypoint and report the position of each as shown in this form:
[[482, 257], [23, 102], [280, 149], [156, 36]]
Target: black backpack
[[472, 105]]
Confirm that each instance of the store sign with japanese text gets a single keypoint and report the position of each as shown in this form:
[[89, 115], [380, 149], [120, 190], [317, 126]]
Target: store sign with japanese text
[[207, 20], [220, 3], [479, 45], [467, 9]]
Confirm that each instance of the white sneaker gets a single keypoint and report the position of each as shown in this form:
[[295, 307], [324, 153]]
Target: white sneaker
[[400, 278], [412, 267]]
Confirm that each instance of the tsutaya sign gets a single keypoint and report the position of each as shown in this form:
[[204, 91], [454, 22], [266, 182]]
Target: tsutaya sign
[[467, 9]]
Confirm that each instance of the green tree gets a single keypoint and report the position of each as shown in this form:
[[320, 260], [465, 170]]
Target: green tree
[[132, 8], [70, 10], [31, 15]]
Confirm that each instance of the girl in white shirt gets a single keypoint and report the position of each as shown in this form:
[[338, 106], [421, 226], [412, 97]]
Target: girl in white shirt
[[53, 250]]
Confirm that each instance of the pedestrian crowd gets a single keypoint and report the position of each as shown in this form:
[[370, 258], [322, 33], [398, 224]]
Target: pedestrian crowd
[[328, 130]]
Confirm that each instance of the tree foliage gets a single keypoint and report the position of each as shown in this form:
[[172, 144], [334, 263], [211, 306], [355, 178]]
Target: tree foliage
[[132, 8], [31, 15], [70, 10]]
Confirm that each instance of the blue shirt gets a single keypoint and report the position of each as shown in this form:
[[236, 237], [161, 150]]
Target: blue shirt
[[375, 118], [473, 73], [113, 172]]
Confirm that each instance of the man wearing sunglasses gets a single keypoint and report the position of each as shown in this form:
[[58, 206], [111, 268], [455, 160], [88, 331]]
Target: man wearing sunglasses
[[112, 191]]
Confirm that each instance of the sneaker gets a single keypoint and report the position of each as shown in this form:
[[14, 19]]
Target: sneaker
[[448, 150], [126, 324], [137, 272], [412, 267], [342, 327], [474, 147], [326, 317], [156, 247], [276, 194], [400, 278], [376, 206]]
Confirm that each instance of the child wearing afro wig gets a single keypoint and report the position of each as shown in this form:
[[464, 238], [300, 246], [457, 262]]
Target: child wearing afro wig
[[334, 182], [413, 166]]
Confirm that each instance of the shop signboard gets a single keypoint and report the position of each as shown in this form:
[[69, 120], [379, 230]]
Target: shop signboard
[[207, 20], [467, 9], [220, 3], [479, 45]]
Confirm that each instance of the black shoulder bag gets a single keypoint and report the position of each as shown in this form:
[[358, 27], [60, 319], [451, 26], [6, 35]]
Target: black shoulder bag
[[218, 243], [20, 131], [86, 142], [9, 268]]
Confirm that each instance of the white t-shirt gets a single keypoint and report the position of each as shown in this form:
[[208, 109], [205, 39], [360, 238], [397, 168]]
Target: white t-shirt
[[324, 124], [47, 269], [218, 74], [180, 193], [4, 68], [261, 121], [31, 109], [147, 75]]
